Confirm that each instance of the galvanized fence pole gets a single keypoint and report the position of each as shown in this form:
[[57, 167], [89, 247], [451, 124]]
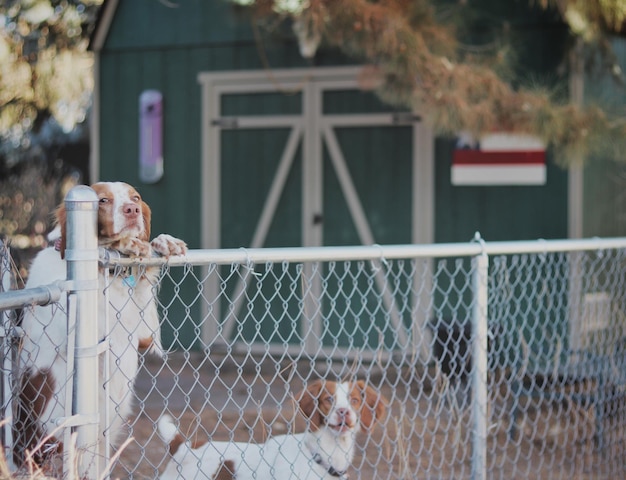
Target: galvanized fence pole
[[479, 364], [6, 358], [81, 253]]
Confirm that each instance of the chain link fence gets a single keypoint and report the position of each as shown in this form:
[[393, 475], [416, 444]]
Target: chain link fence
[[513, 368]]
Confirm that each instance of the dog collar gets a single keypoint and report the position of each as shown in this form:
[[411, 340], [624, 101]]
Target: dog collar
[[317, 458]]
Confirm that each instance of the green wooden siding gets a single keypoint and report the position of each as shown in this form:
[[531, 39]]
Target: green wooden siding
[[148, 24], [605, 179], [605, 198], [153, 46], [498, 213], [379, 160], [250, 159]]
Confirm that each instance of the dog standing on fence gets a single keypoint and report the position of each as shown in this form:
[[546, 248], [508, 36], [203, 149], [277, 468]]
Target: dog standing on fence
[[123, 225], [336, 412]]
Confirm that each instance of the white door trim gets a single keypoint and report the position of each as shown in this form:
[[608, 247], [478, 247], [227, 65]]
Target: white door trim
[[312, 125]]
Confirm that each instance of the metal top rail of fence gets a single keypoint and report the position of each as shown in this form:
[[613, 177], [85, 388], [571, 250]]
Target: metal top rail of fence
[[477, 246]]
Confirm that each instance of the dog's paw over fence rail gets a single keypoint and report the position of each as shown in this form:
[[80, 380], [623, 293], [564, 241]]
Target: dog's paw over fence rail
[[496, 360]]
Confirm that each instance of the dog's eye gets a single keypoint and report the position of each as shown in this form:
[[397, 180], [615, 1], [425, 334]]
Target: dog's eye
[[135, 198], [355, 400], [104, 200]]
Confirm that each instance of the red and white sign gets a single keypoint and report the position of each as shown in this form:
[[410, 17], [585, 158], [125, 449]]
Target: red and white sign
[[501, 159]]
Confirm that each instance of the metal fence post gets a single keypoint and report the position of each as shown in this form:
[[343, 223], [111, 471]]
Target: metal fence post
[[479, 364], [81, 253], [6, 356]]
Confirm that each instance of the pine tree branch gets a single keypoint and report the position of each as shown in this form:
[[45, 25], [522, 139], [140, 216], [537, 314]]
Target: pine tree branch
[[415, 62]]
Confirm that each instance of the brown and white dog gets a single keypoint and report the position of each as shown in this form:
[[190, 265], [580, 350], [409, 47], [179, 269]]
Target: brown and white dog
[[336, 412], [133, 324]]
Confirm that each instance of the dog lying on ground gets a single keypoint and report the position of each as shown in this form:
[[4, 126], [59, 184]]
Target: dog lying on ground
[[133, 324], [336, 412]]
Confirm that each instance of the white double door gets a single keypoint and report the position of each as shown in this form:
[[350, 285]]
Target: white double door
[[305, 158]]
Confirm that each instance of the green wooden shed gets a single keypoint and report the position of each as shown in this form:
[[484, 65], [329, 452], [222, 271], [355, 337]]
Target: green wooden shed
[[261, 147]]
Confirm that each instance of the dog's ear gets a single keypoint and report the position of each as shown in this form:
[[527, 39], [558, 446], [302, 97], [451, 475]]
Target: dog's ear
[[374, 405], [61, 221], [308, 402], [147, 218]]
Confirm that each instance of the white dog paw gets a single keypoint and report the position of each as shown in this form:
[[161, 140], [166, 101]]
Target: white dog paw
[[166, 245]]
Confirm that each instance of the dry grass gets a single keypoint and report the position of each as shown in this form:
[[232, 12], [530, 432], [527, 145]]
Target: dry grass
[[32, 471]]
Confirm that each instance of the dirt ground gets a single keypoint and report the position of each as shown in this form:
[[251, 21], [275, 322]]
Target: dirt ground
[[423, 437]]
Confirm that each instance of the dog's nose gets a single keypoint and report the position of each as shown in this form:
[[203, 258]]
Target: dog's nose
[[343, 413], [131, 209]]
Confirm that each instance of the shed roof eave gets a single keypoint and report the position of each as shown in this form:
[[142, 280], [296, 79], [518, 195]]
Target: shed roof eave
[[103, 23]]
